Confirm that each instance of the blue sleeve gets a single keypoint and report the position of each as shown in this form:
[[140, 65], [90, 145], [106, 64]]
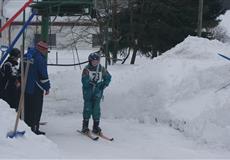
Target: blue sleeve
[[43, 73]]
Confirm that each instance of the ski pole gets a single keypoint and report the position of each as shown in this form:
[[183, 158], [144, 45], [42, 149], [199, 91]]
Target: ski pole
[[225, 86], [223, 56]]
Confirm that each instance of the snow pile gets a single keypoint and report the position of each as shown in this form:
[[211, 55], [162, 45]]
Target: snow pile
[[225, 23], [193, 96], [177, 89], [29, 146]]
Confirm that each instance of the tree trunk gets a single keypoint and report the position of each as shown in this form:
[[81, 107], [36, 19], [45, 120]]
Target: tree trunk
[[200, 18], [134, 56], [132, 33], [114, 31], [126, 56]]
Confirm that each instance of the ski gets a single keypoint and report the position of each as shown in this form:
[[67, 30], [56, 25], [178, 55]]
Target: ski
[[89, 135], [104, 137]]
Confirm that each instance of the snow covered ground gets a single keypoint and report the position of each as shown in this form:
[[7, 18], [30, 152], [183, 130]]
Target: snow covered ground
[[30, 146], [161, 108]]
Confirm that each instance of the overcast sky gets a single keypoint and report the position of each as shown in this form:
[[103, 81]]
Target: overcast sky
[[12, 6]]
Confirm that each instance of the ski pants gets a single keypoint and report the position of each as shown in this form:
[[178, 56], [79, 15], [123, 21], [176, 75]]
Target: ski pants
[[33, 108], [12, 96], [92, 107]]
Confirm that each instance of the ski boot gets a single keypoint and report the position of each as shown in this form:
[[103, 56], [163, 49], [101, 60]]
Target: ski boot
[[96, 128], [36, 130], [85, 126]]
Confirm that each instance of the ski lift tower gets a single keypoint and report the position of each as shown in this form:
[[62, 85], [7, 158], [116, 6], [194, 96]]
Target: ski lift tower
[[48, 8]]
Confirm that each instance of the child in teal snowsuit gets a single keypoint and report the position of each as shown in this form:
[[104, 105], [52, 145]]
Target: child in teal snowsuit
[[95, 78]]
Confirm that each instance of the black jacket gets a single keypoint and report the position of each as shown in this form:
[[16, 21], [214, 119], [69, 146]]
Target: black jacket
[[10, 75]]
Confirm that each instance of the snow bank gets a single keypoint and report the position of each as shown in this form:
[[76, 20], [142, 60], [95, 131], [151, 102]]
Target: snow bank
[[225, 22], [176, 89], [29, 146], [179, 87]]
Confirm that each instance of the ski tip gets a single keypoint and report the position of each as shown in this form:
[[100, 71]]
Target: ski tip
[[96, 138], [79, 131], [93, 138], [16, 134]]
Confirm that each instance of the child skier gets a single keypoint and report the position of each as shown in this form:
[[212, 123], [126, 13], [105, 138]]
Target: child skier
[[95, 78]]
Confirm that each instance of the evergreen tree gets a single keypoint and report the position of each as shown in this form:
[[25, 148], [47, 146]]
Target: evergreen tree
[[152, 26]]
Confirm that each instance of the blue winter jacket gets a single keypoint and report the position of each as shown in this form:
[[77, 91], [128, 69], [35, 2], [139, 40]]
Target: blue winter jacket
[[37, 75]]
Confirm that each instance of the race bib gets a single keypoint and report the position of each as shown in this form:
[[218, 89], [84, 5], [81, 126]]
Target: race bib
[[94, 76]]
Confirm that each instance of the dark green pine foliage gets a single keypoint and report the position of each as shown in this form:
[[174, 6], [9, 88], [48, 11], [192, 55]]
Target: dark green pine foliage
[[158, 25]]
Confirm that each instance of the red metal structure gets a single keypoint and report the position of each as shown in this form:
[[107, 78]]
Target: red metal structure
[[15, 16]]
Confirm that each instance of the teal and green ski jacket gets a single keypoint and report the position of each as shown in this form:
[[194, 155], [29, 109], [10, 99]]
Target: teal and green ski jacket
[[94, 81]]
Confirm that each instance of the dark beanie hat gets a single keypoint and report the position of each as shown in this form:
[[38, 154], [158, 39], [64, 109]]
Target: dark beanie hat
[[15, 52]]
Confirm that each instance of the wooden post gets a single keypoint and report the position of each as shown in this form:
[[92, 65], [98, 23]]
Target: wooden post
[[22, 79]]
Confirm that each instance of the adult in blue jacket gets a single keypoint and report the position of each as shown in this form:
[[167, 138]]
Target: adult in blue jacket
[[95, 78], [37, 85]]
